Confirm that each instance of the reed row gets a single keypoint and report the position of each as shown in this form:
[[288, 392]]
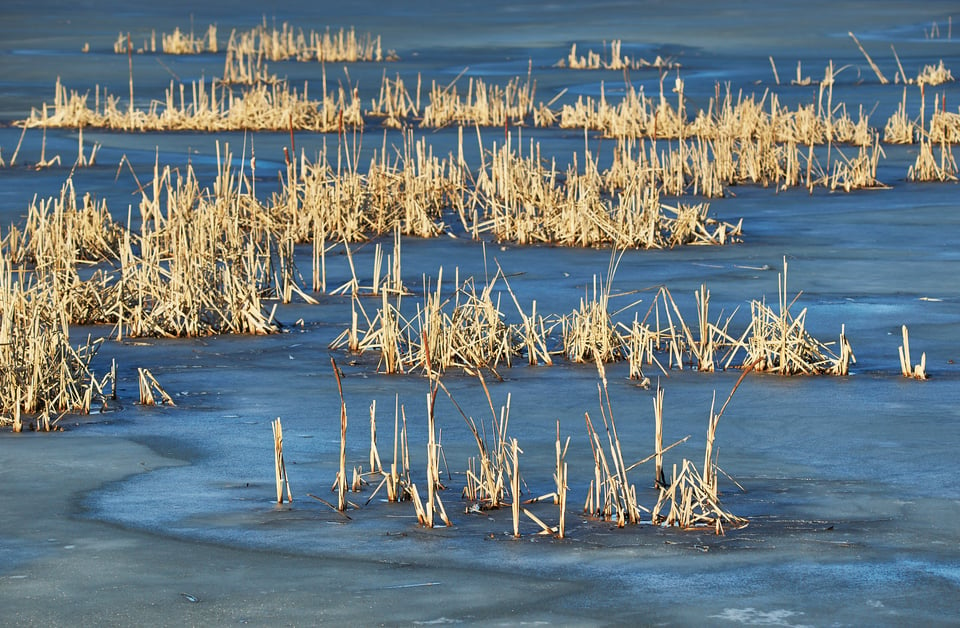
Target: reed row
[[493, 480], [612, 58], [285, 43], [666, 115], [468, 328], [735, 141]]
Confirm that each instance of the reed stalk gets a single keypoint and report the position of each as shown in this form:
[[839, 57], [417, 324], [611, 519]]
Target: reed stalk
[[907, 368], [279, 465]]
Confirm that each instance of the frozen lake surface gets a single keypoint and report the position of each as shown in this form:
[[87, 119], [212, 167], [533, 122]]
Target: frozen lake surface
[[850, 483]]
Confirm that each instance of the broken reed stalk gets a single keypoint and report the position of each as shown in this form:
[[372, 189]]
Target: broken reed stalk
[[873, 66], [341, 481], [279, 465], [560, 479], [149, 384], [434, 503], [375, 465], [907, 368], [658, 479]]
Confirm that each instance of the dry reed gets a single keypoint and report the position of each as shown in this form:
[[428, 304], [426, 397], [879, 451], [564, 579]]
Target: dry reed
[[280, 466], [150, 389], [907, 368]]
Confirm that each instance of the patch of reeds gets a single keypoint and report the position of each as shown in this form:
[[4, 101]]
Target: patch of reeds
[[927, 167], [465, 330], [779, 342], [485, 105], [611, 495], [611, 59], [518, 199], [289, 43], [42, 374], [692, 499], [207, 106]]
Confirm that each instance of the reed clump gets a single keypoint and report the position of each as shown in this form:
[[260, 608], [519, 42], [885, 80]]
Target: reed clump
[[466, 330], [927, 167], [907, 368], [612, 59], [779, 342], [207, 106], [42, 374], [518, 199], [484, 105], [288, 43]]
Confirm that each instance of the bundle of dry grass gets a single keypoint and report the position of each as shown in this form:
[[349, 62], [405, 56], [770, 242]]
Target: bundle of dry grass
[[245, 68], [196, 270], [611, 495], [177, 42], [331, 199], [589, 332], [394, 104], [944, 126], [934, 75], [900, 129], [278, 462], [612, 60], [148, 386], [180, 43]]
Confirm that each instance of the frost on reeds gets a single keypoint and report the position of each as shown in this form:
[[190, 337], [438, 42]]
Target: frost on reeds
[[779, 342], [611, 60]]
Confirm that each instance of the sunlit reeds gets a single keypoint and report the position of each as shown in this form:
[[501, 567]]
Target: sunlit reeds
[[612, 59], [907, 367], [779, 342], [42, 374]]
